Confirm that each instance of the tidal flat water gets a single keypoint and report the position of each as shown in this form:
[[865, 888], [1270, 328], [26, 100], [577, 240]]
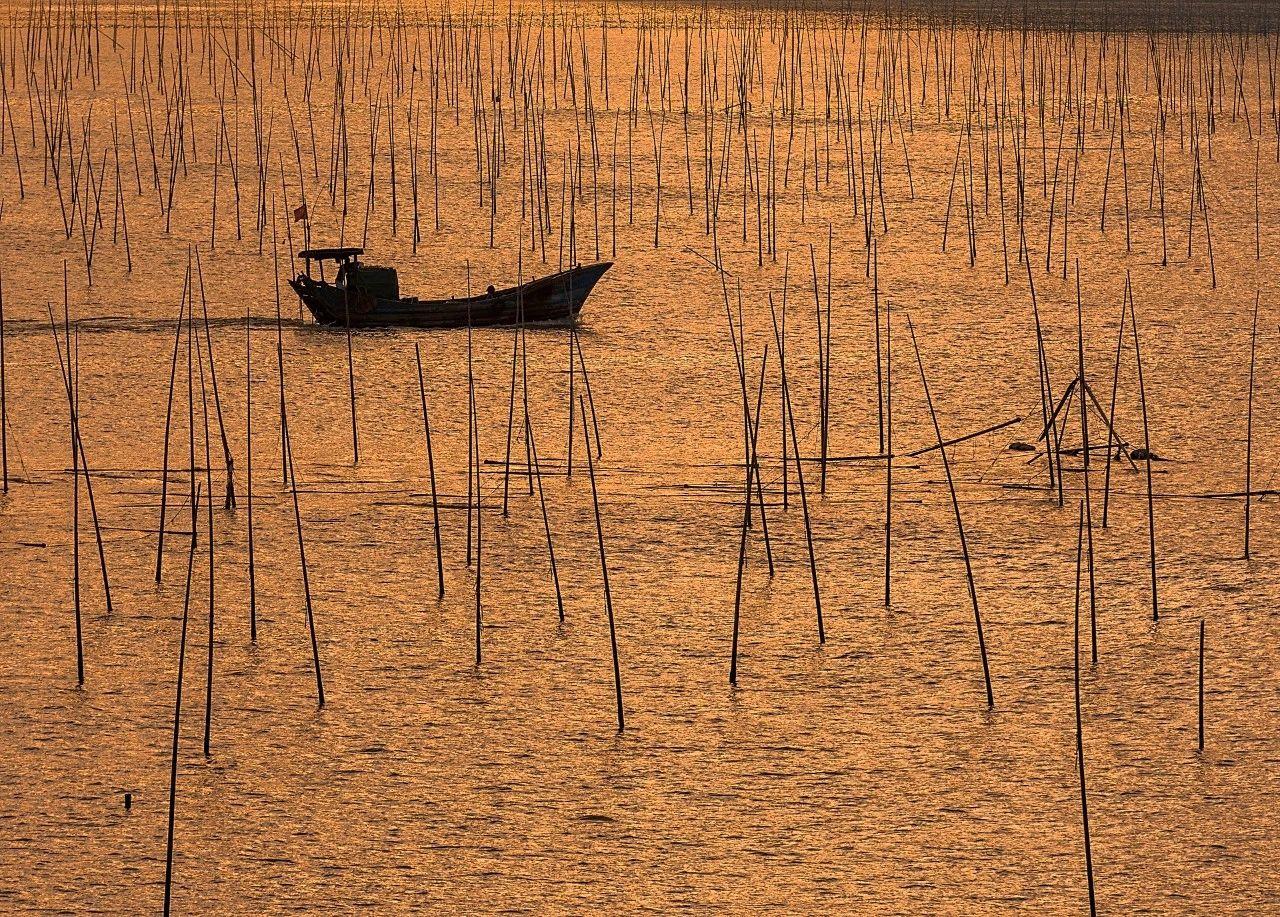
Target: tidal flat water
[[720, 159]]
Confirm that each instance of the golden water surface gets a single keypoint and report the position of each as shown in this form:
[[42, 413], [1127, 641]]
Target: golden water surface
[[864, 773]]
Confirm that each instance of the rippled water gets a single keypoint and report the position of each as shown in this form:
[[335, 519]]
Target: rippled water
[[864, 774]]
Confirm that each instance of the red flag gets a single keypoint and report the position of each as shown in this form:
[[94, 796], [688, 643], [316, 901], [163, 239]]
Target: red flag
[[300, 214]]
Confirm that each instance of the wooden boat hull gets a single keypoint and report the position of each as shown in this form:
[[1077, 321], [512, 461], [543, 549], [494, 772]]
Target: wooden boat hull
[[557, 298]]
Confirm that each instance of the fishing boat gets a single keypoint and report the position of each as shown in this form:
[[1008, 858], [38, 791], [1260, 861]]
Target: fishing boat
[[368, 296]]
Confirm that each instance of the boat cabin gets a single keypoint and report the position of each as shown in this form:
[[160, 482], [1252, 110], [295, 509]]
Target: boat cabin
[[378, 282]]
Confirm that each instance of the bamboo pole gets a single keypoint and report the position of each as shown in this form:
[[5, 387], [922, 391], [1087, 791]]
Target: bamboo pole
[[475, 432], [1146, 447], [168, 418], [1200, 694], [1084, 796], [542, 502], [71, 382], [208, 470], [248, 455], [1115, 384], [302, 556], [472, 458], [591, 401], [888, 451], [227, 457], [604, 568], [4, 398], [1248, 448], [75, 485], [177, 720], [431, 473], [746, 524], [804, 497], [351, 373], [955, 505], [511, 403], [1081, 388]]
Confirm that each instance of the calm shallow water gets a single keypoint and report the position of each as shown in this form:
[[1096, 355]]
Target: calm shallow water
[[865, 773]]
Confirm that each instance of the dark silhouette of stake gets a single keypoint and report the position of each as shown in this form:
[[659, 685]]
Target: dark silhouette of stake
[[1084, 796], [248, 456], [888, 448], [546, 521], [1115, 384], [795, 448], [275, 261], [88, 486], [826, 379], [4, 400], [1081, 388], [524, 397], [511, 422], [1146, 446], [191, 414], [572, 366], [71, 383], [75, 484], [535, 470], [1200, 693], [755, 462], [1046, 386], [955, 505], [177, 720], [750, 430], [739, 363], [471, 429], [227, 457], [746, 523], [780, 336], [351, 378], [75, 513], [302, 556], [431, 473], [604, 565], [822, 374], [475, 432], [1248, 443], [208, 471], [875, 298], [511, 407], [963, 438], [591, 401]]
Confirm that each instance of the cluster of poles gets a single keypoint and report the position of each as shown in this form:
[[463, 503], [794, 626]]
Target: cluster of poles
[[344, 112], [1056, 414], [205, 430]]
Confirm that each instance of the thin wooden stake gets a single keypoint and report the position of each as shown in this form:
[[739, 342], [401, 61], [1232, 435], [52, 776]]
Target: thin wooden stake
[[1146, 446], [1084, 796], [604, 568], [955, 505], [804, 497], [168, 419], [431, 473], [177, 720], [888, 450], [302, 556], [1200, 694], [746, 524], [248, 450], [4, 400], [1248, 447]]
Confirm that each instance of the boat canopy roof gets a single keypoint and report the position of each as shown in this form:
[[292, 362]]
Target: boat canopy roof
[[330, 254]]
